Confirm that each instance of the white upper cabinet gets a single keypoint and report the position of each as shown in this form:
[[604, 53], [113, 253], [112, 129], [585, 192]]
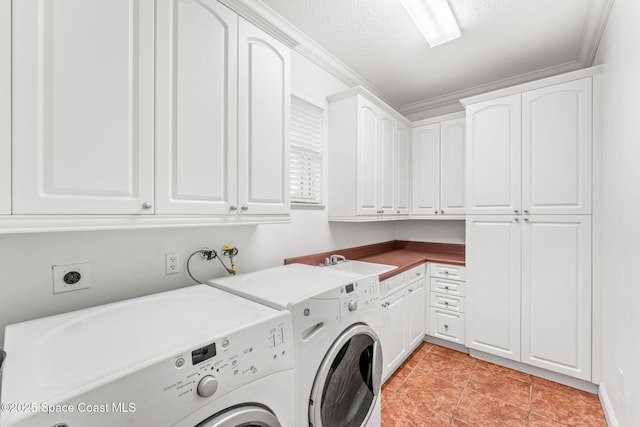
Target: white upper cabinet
[[438, 185], [224, 113], [264, 103], [83, 111], [452, 167], [376, 141], [425, 182], [196, 107], [531, 152], [168, 107], [403, 169], [387, 150], [367, 157], [493, 156], [556, 149]]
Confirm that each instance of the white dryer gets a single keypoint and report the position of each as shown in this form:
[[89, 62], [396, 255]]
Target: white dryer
[[191, 357], [336, 321]]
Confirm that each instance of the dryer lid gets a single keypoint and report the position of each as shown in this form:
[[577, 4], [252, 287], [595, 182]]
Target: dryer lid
[[62, 356]]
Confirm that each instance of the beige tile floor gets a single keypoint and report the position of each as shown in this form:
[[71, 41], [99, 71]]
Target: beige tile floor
[[437, 386]]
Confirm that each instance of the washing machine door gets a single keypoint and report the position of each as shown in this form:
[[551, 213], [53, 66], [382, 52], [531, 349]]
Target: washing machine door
[[242, 416], [347, 385]]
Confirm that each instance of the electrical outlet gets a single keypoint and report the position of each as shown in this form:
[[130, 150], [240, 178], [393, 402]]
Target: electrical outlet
[[172, 263], [71, 277], [621, 381]]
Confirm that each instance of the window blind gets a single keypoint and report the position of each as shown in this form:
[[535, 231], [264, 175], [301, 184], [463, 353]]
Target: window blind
[[306, 126]]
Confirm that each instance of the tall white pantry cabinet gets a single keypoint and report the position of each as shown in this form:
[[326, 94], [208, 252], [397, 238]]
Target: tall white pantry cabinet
[[528, 227], [174, 107]]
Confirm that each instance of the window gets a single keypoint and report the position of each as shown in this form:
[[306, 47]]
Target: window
[[307, 123]]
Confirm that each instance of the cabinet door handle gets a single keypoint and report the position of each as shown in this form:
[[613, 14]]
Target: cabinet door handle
[[526, 211], [516, 211], [446, 326], [446, 272], [446, 303], [147, 205], [233, 208], [526, 220], [244, 208], [441, 212], [446, 287], [516, 219]]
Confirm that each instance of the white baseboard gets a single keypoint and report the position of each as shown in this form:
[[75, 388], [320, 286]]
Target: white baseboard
[[538, 372], [607, 408]]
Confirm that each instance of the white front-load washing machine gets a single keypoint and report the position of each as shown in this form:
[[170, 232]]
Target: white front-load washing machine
[[336, 322], [196, 356]]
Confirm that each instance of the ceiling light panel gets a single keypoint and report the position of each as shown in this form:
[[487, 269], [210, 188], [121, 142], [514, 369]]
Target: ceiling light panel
[[434, 19]]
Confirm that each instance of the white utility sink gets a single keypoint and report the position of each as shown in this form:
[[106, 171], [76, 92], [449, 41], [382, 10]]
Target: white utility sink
[[361, 267]]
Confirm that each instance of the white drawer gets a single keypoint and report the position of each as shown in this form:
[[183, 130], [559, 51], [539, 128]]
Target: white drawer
[[448, 271], [447, 302], [449, 287], [447, 325], [416, 273], [392, 284]]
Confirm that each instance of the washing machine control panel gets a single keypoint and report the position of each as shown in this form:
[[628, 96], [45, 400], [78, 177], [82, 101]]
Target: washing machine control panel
[[359, 295], [231, 361]]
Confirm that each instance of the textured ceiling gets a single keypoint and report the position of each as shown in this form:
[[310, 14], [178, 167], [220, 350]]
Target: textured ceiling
[[503, 42]]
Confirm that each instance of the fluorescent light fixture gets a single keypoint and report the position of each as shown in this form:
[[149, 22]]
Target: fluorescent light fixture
[[434, 19]]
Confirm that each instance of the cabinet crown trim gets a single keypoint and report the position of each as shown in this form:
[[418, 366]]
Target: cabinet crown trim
[[537, 84]]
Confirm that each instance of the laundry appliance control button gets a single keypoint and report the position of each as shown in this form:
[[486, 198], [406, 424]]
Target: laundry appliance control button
[[207, 386]]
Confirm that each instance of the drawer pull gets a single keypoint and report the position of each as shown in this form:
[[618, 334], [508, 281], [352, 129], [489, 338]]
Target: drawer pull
[[446, 326], [446, 303], [446, 287], [446, 272]]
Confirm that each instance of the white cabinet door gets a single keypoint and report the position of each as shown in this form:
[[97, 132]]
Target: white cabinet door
[[416, 313], [425, 170], [367, 167], [493, 274], [263, 114], [83, 111], [394, 337], [387, 163], [452, 167], [196, 107], [556, 149], [493, 156], [403, 169], [556, 293]]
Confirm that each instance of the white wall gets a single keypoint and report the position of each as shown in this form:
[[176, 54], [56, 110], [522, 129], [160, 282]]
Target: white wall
[[621, 203], [131, 263], [442, 231]]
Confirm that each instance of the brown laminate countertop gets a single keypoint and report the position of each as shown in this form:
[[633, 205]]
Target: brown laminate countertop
[[403, 254]]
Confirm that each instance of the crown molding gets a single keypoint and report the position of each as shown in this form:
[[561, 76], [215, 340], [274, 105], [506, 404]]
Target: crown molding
[[268, 20], [264, 18], [535, 84], [455, 97], [593, 30]]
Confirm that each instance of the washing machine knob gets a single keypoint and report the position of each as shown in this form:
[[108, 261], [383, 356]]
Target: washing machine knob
[[207, 386], [353, 305]]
